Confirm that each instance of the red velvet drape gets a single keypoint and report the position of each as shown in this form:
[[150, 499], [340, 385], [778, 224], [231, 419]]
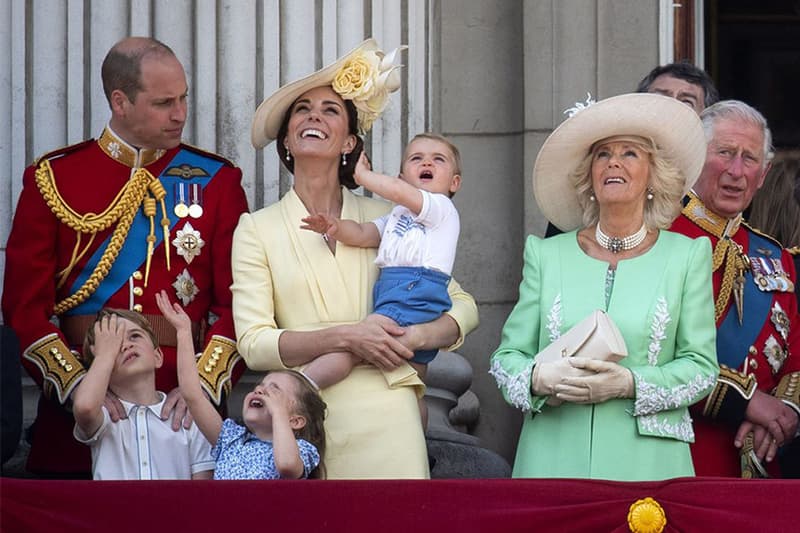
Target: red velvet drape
[[449, 506]]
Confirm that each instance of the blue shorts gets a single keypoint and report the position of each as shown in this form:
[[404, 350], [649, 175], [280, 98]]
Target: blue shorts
[[412, 295]]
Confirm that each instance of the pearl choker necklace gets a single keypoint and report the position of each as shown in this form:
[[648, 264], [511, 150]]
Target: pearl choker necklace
[[615, 244]]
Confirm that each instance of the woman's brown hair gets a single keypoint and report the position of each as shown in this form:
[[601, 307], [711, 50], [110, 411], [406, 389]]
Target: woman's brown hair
[[347, 170]]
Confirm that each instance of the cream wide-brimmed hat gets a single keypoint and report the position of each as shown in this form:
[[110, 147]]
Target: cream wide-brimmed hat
[[364, 75], [673, 126]]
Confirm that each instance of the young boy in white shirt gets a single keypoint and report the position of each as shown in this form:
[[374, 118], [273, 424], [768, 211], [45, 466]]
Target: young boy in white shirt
[[122, 351]]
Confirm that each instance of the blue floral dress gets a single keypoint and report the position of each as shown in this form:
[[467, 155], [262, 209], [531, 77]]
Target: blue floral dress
[[241, 455]]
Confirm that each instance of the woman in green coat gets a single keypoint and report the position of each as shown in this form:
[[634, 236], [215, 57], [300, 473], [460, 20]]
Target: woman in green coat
[[612, 176]]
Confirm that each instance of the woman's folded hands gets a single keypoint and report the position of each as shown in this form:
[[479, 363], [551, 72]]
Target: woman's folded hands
[[547, 375], [605, 380]]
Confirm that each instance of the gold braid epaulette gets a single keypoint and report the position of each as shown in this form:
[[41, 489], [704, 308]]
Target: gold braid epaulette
[[122, 210]]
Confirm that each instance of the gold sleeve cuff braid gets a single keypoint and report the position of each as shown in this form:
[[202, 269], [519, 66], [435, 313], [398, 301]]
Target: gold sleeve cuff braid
[[788, 390], [215, 367], [728, 400], [59, 366]]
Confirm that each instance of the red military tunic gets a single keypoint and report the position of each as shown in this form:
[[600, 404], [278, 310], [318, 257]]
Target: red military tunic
[[79, 242], [762, 353]]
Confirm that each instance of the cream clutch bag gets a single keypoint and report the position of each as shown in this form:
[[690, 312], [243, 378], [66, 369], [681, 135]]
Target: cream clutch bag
[[595, 337]]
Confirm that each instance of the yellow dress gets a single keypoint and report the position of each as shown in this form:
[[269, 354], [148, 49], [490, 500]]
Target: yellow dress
[[287, 278]]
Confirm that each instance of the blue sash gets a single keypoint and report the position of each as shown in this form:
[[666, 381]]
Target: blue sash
[[734, 340], [134, 251]]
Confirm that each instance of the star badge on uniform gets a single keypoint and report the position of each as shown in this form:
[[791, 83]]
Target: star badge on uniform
[[185, 287], [188, 242], [774, 353], [781, 321]]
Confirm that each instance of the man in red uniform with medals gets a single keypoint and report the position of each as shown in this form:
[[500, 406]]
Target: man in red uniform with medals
[[109, 223], [754, 407]]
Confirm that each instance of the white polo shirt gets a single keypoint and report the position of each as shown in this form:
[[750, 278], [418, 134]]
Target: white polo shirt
[[145, 447]]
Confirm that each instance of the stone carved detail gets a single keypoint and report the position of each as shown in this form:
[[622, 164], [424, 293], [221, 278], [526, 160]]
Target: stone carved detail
[[453, 410]]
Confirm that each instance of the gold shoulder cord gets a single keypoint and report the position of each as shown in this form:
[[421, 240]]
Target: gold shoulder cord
[[122, 210], [732, 277], [726, 252]]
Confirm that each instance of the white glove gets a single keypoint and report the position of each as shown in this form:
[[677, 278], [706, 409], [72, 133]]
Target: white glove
[[607, 380], [547, 375]]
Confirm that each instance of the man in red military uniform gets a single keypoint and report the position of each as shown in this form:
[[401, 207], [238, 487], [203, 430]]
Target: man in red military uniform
[[111, 222], [754, 408]]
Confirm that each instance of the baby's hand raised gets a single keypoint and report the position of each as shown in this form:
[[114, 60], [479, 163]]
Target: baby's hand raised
[[109, 334], [362, 167], [321, 223], [173, 312]]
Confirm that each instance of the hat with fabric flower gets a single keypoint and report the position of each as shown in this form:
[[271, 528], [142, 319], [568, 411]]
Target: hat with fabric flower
[[366, 76], [674, 127]]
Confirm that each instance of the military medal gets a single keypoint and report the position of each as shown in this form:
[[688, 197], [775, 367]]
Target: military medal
[[775, 354], [181, 209], [769, 275], [185, 287], [188, 242], [780, 320], [196, 200]]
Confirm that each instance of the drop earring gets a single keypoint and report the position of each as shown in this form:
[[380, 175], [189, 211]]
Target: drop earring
[[288, 154], [591, 198], [344, 159], [649, 193]]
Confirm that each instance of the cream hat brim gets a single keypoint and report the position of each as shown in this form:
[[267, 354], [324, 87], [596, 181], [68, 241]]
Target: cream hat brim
[[270, 114], [674, 127]]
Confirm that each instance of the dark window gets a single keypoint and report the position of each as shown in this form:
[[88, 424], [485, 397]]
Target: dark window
[[753, 53]]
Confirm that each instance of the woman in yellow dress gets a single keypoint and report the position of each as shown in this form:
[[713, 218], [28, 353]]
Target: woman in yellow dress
[[297, 295]]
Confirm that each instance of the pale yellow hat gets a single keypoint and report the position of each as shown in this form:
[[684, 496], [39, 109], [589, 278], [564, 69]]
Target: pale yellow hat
[[674, 127], [365, 75]]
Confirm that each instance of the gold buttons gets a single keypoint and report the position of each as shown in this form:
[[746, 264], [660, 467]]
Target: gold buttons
[[137, 308], [138, 291], [137, 275]]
